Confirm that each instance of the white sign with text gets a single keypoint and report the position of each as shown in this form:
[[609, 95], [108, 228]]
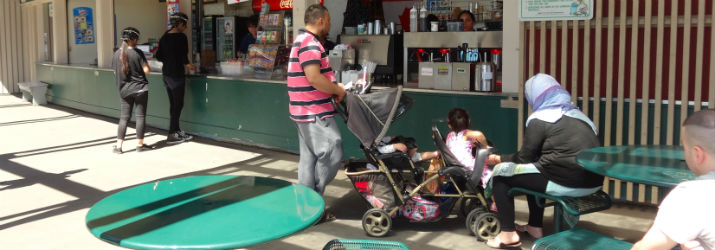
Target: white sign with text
[[547, 10]]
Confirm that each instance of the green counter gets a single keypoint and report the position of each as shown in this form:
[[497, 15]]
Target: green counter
[[255, 112]]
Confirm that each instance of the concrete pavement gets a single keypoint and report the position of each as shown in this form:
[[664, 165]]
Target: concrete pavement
[[55, 163]]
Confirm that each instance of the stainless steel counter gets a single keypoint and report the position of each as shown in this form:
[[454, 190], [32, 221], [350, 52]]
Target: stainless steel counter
[[476, 39]]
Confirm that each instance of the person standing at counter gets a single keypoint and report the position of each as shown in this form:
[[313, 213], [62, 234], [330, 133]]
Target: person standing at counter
[[311, 85], [130, 69], [173, 53], [249, 38]]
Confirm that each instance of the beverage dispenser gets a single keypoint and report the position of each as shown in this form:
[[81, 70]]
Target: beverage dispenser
[[485, 75]]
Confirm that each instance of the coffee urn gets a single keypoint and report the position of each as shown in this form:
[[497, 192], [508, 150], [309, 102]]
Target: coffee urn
[[484, 75]]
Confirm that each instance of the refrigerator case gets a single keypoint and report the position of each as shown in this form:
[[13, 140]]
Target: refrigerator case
[[208, 33], [225, 38]]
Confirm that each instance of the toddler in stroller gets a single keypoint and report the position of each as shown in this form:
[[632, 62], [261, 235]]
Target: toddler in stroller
[[394, 188], [390, 144]]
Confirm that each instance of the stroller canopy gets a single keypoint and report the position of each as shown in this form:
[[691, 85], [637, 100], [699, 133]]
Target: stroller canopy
[[369, 115]]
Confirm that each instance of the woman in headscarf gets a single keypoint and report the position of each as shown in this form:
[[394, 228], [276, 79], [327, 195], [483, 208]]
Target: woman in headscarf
[[555, 133]]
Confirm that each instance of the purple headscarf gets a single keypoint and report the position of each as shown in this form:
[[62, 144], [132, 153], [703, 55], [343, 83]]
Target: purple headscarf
[[550, 101]]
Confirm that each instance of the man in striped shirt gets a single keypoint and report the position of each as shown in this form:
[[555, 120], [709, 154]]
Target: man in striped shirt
[[311, 85]]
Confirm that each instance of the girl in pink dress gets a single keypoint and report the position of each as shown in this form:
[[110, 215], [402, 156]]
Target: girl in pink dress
[[464, 142]]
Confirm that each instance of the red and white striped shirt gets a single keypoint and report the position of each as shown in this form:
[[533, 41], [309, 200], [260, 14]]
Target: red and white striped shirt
[[306, 102]]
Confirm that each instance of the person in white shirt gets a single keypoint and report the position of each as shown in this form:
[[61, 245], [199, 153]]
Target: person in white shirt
[[686, 215]]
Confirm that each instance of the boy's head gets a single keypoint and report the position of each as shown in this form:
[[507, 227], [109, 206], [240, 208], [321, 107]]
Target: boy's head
[[697, 135], [458, 119]]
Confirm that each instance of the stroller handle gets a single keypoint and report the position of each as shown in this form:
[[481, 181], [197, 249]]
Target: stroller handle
[[340, 108]]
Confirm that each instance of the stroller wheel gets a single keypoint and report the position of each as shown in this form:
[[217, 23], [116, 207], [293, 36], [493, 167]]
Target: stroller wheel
[[472, 218], [376, 222], [486, 226]]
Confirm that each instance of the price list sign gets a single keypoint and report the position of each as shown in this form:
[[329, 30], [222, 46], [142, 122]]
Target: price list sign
[[547, 10]]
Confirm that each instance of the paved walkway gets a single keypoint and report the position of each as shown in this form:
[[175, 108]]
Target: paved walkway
[[55, 163]]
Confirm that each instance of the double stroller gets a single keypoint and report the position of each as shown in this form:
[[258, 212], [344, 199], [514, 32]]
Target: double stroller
[[391, 183]]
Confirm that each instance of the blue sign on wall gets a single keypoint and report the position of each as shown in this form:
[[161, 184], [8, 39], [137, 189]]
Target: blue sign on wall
[[83, 25]]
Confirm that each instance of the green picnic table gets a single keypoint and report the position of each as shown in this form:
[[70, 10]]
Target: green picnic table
[[662, 166], [204, 212]]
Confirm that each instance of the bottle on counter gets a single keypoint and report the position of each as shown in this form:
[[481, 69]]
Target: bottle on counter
[[413, 19], [424, 26]]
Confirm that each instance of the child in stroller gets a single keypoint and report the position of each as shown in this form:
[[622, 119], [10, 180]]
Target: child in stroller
[[394, 188], [390, 144], [464, 143]]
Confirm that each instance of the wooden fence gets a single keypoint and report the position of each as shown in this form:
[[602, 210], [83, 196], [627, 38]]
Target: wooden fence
[[638, 68]]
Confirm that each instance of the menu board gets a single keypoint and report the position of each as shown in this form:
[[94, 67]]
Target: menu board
[[545, 10]]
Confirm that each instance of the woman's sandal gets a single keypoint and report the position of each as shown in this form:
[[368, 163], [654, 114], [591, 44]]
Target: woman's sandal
[[522, 229], [503, 245]]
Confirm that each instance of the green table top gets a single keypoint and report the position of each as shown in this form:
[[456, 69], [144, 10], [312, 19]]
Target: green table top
[[207, 212], [662, 166]]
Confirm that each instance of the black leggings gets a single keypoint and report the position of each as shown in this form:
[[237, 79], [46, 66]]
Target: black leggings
[[505, 203], [175, 87], [139, 99]]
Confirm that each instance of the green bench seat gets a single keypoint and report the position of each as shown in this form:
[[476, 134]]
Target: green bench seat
[[579, 238], [568, 209], [358, 244]]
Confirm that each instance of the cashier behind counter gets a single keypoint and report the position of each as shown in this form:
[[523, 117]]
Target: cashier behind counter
[[249, 38], [468, 19]]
